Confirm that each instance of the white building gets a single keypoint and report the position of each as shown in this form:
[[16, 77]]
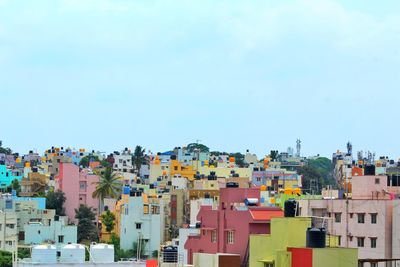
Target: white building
[[123, 161], [8, 230], [56, 231], [141, 223]]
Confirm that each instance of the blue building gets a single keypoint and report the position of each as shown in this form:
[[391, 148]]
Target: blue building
[[7, 176]]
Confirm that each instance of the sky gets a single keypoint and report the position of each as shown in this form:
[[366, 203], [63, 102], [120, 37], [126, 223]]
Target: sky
[[237, 75]]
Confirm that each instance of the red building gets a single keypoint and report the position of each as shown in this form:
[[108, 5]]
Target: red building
[[227, 228]]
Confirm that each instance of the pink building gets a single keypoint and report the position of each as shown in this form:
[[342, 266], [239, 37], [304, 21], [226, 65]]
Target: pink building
[[78, 186], [365, 221], [227, 228]]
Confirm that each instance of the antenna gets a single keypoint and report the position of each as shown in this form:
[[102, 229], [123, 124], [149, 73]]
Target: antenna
[[298, 147], [349, 148]]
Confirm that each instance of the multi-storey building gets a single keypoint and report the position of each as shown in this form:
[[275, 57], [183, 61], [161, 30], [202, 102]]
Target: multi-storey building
[[78, 186]]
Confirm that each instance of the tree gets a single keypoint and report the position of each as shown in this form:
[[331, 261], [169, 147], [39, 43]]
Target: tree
[[108, 220], [108, 186], [138, 157], [55, 201], [86, 228], [4, 150], [239, 159], [15, 186], [274, 155], [87, 159], [317, 173], [202, 148], [5, 259]]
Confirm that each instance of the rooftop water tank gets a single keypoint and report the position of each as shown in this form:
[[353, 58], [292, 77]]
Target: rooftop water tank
[[103, 253], [291, 209], [44, 254], [73, 253], [316, 237]]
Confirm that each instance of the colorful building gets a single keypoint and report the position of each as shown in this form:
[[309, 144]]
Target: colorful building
[[227, 228], [141, 222], [78, 186], [286, 247], [7, 176]]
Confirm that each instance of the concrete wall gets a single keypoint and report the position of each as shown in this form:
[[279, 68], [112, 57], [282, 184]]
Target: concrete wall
[[349, 228], [396, 231]]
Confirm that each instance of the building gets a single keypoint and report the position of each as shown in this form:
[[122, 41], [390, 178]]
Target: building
[[227, 228], [123, 161], [365, 221], [276, 178], [7, 176], [140, 222], [55, 231], [8, 230], [286, 246], [78, 186]]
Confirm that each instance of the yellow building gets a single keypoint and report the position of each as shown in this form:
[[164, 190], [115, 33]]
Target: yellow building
[[286, 247]]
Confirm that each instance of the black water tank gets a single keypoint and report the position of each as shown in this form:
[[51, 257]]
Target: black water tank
[[212, 173], [173, 157], [151, 186], [232, 185], [170, 254], [369, 170], [290, 208], [316, 237]]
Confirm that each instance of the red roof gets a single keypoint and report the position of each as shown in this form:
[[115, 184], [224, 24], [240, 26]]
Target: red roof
[[265, 215]]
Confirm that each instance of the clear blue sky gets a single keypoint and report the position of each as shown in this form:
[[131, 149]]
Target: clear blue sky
[[234, 74]]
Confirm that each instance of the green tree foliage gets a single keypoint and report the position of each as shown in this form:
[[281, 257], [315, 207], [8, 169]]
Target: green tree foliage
[[24, 253], [274, 155], [55, 200], [317, 173], [108, 185], [138, 157], [15, 186], [4, 150], [108, 220], [239, 159], [194, 146], [86, 228], [86, 160], [5, 259]]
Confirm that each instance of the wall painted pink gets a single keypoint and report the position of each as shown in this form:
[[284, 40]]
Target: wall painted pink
[[227, 218], [78, 187]]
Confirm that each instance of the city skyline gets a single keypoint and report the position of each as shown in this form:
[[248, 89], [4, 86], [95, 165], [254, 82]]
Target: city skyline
[[259, 75]]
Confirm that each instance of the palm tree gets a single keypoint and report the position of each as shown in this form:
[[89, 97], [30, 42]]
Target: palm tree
[[108, 186], [138, 157]]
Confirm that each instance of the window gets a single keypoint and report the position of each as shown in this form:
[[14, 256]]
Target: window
[[374, 264], [339, 240], [0, 226], [204, 232], [377, 180], [9, 243], [373, 242], [214, 236], [82, 185], [338, 217], [175, 168], [360, 242], [231, 237], [268, 265], [60, 239], [10, 225], [373, 218], [361, 217], [138, 226]]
